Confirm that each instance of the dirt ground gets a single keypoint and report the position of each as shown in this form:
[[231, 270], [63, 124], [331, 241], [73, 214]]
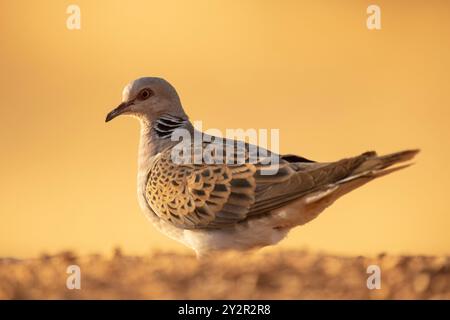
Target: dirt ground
[[282, 275]]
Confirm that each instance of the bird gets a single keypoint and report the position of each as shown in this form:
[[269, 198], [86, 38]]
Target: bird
[[214, 206]]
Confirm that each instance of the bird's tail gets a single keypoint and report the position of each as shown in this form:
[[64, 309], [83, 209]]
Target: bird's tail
[[345, 175], [371, 166], [377, 166]]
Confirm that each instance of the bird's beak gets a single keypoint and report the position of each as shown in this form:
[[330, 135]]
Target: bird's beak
[[121, 108]]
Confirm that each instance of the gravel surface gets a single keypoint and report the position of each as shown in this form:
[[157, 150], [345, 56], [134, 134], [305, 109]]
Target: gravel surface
[[281, 275]]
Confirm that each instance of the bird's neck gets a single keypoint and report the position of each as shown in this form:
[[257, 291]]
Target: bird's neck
[[156, 136]]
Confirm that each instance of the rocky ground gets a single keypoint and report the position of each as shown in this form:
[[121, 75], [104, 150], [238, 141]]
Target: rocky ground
[[283, 275]]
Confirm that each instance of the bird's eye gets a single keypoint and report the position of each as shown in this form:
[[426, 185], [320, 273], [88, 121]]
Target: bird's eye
[[145, 94]]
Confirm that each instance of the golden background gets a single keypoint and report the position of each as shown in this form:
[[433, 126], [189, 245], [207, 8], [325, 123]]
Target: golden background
[[311, 69]]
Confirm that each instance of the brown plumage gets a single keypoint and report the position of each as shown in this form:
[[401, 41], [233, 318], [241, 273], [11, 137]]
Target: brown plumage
[[218, 205], [213, 196]]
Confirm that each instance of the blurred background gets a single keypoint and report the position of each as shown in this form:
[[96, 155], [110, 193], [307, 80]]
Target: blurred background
[[310, 68]]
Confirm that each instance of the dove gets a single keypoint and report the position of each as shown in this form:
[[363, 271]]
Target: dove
[[212, 206]]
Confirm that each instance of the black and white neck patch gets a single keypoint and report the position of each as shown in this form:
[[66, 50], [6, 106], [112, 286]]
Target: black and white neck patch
[[165, 125]]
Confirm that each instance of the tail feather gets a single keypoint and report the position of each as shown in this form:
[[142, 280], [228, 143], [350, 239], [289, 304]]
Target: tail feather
[[374, 167], [375, 164], [299, 208]]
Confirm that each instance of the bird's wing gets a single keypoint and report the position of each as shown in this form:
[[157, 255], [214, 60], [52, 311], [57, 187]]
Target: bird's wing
[[218, 195], [214, 195], [199, 196]]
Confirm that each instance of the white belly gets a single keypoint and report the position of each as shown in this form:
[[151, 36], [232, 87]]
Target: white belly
[[249, 235]]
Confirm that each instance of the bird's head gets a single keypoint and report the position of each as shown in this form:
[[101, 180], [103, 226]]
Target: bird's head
[[148, 98]]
